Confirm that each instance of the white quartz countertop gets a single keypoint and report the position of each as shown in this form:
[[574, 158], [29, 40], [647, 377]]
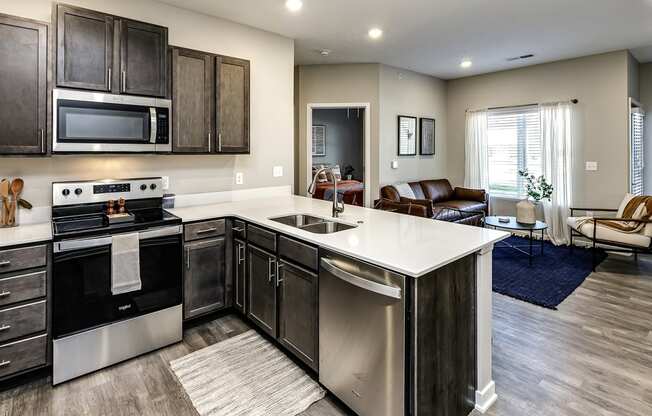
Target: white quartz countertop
[[406, 244], [26, 234]]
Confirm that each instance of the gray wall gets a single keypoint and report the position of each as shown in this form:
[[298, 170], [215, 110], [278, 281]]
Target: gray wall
[[272, 110], [600, 82], [344, 138], [645, 88]]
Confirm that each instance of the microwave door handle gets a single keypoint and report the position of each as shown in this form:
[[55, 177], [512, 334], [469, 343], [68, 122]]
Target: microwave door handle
[[152, 120]]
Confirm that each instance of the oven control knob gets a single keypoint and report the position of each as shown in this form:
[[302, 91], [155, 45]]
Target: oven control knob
[[143, 187], [65, 192], [152, 186], [78, 191]]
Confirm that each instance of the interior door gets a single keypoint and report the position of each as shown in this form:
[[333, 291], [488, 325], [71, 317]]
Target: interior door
[[143, 58], [193, 87], [84, 48], [261, 289], [23, 90], [232, 108]]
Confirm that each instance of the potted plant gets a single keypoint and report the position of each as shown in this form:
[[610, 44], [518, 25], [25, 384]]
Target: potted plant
[[537, 189]]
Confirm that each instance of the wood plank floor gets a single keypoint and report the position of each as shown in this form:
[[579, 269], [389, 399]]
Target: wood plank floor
[[591, 357]]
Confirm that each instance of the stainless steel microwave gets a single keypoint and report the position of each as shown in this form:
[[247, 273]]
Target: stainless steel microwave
[[92, 122]]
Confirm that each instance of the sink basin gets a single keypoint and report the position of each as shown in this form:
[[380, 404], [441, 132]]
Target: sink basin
[[327, 227], [313, 224]]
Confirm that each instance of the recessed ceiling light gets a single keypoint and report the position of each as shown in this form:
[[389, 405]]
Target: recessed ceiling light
[[294, 5], [466, 63], [375, 33]]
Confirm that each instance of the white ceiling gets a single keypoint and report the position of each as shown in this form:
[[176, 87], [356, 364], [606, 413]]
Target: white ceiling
[[433, 36]]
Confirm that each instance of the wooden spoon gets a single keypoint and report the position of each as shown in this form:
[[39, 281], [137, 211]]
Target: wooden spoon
[[4, 194], [16, 189]]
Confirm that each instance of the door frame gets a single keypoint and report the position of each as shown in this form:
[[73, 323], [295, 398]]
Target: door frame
[[366, 141]]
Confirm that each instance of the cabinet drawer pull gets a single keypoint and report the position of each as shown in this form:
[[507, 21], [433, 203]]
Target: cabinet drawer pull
[[188, 257], [5, 328], [4, 294], [5, 263], [207, 230], [5, 363], [238, 229]]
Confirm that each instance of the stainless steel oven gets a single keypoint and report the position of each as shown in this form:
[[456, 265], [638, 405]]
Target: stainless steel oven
[[88, 122]]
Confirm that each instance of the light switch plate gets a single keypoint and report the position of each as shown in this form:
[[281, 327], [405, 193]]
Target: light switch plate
[[165, 183], [394, 164], [591, 166], [239, 178], [278, 171]]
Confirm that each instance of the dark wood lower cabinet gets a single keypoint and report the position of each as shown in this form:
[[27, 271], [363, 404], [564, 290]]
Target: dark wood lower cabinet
[[204, 277], [298, 324], [261, 289], [240, 275]]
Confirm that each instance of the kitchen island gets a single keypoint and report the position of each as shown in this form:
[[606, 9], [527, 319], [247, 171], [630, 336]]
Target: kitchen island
[[446, 317]]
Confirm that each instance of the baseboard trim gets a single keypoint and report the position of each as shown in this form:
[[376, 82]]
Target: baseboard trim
[[486, 397]]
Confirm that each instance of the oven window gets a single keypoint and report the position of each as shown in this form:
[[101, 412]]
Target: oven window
[[83, 122]]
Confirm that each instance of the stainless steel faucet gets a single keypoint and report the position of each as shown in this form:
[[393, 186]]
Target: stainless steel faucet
[[338, 207]]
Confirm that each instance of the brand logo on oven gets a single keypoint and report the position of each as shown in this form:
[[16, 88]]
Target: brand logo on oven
[[124, 307]]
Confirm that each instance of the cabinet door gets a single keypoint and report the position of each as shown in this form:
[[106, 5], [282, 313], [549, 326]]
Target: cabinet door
[[240, 275], [298, 312], [261, 289], [203, 277], [143, 58], [84, 48], [23, 90], [232, 109], [193, 85]]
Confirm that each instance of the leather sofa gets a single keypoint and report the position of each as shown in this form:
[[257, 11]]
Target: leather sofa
[[442, 201]]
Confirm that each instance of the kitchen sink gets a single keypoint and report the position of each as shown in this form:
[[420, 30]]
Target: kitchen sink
[[312, 224]]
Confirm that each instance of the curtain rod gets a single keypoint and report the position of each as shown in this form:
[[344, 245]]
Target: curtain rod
[[572, 100]]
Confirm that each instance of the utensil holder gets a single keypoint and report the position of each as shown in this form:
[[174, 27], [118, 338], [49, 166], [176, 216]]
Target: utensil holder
[[9, 212]]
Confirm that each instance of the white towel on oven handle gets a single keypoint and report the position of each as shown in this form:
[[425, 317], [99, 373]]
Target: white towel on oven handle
[[125, 263]]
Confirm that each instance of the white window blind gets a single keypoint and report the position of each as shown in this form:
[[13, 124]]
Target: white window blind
[[636, 152], [514, 143]]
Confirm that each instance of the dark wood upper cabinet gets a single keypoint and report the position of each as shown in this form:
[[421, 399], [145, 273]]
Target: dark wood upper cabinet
[[232, 104], [143, 58], [102, 52], [84, 48], [193, 87], [23, 86]]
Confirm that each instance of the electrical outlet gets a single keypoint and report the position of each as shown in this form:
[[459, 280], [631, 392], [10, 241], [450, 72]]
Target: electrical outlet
[[239, 178], [278, 171], [591, 166], [394, 164], [165, 183]]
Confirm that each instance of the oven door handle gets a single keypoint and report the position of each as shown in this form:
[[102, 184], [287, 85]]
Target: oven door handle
[[153, 126], [160, 232], [70, 245]]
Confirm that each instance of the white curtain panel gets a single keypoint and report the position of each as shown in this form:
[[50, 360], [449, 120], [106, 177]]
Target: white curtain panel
[[557, 143], [476, 168]]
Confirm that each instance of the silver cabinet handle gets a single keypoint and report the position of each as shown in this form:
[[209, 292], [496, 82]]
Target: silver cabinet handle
[[188, 258], [242, 257], [209, 142], [42, 137], [270, 267], [5, 327], [123, 76], [361, 282], [219, 142], [279, 265], [109, 71], [207, 230], [5, 363], [238, 229], [5, 263], [5, 293]]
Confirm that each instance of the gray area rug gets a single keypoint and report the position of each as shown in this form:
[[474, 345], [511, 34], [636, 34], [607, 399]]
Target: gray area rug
[[245, 375]]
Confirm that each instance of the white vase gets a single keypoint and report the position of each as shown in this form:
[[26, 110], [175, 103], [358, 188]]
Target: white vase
[[526, 212]]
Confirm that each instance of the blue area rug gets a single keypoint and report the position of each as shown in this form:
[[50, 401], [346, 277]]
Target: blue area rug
[[552, 277]]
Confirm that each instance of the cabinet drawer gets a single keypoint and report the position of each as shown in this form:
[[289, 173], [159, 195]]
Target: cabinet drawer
[[239, 230], [22, 287], [262, 238], [22, 355], [204, 229], [22, 258], [297, 252], [22, 320]]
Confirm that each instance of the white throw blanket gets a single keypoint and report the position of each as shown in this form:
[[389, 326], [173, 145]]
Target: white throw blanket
[[405, 191], [125, 263]]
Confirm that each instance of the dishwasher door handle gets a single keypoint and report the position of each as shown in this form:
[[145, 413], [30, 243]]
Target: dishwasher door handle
[[361, 282]]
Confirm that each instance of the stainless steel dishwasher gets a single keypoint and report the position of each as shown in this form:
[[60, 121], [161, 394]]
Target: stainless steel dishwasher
[[362, 335]]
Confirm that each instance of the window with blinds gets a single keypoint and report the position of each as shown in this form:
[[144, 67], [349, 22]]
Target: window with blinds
[[636, 152], [514, 143]]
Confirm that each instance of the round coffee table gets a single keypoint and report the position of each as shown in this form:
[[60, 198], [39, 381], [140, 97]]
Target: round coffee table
[[513, 225]]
